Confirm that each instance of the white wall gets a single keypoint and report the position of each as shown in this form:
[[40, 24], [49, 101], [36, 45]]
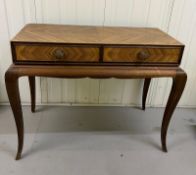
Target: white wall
[[176, 17]]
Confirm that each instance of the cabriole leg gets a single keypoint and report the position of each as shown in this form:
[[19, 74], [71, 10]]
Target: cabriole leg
[[11, 81], [178, 85]]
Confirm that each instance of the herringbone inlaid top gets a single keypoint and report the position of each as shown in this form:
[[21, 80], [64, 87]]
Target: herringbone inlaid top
[[93, 35]]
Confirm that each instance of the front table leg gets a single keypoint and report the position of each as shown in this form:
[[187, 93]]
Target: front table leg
[[11, 81], [178, 85]]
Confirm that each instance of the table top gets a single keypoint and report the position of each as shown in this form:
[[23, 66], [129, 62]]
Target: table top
[[49, 33]]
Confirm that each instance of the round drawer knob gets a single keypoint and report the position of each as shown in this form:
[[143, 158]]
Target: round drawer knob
[[59, 54], [143, 55]]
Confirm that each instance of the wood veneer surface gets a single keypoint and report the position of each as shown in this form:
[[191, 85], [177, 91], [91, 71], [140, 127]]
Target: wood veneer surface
[[47, 53], [48, 33], [132, 54]]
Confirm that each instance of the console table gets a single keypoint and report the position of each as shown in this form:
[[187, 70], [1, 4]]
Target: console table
[[67, 51]]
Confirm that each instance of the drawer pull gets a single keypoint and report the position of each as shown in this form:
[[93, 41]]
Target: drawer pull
[[59, 54], [143, 55]]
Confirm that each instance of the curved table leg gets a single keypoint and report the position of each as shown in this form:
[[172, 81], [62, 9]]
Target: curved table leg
[[15, 71], [145, 92], [32, 90], [11, 81], [179, 82]]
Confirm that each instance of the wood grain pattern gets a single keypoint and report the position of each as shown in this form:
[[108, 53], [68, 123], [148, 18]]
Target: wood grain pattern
[[50, 53], [122, 72], [43, 43], [48, 33], [142, 54]]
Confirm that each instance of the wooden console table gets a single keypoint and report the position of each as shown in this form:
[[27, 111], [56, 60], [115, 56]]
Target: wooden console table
[[95, 52]]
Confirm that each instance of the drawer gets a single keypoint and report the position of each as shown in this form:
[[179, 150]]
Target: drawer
[[142, 54], [56, 53]]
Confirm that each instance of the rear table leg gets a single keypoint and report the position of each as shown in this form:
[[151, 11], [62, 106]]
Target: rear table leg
[[33, 91], [145, 92]]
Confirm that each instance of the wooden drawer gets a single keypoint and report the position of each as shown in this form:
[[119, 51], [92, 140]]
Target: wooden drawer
[[143, 54], [49, 53]]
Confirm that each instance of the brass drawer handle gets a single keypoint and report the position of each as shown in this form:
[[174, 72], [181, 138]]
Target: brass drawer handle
[[143, 55], [59, 54]]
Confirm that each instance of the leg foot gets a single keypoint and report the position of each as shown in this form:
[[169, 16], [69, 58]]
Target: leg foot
[[11, 81], [32, 90], [18, 156], [145, 92], [179, 82]]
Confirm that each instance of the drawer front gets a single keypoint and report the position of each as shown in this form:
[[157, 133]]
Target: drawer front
[[56, 53], [142, 55]]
